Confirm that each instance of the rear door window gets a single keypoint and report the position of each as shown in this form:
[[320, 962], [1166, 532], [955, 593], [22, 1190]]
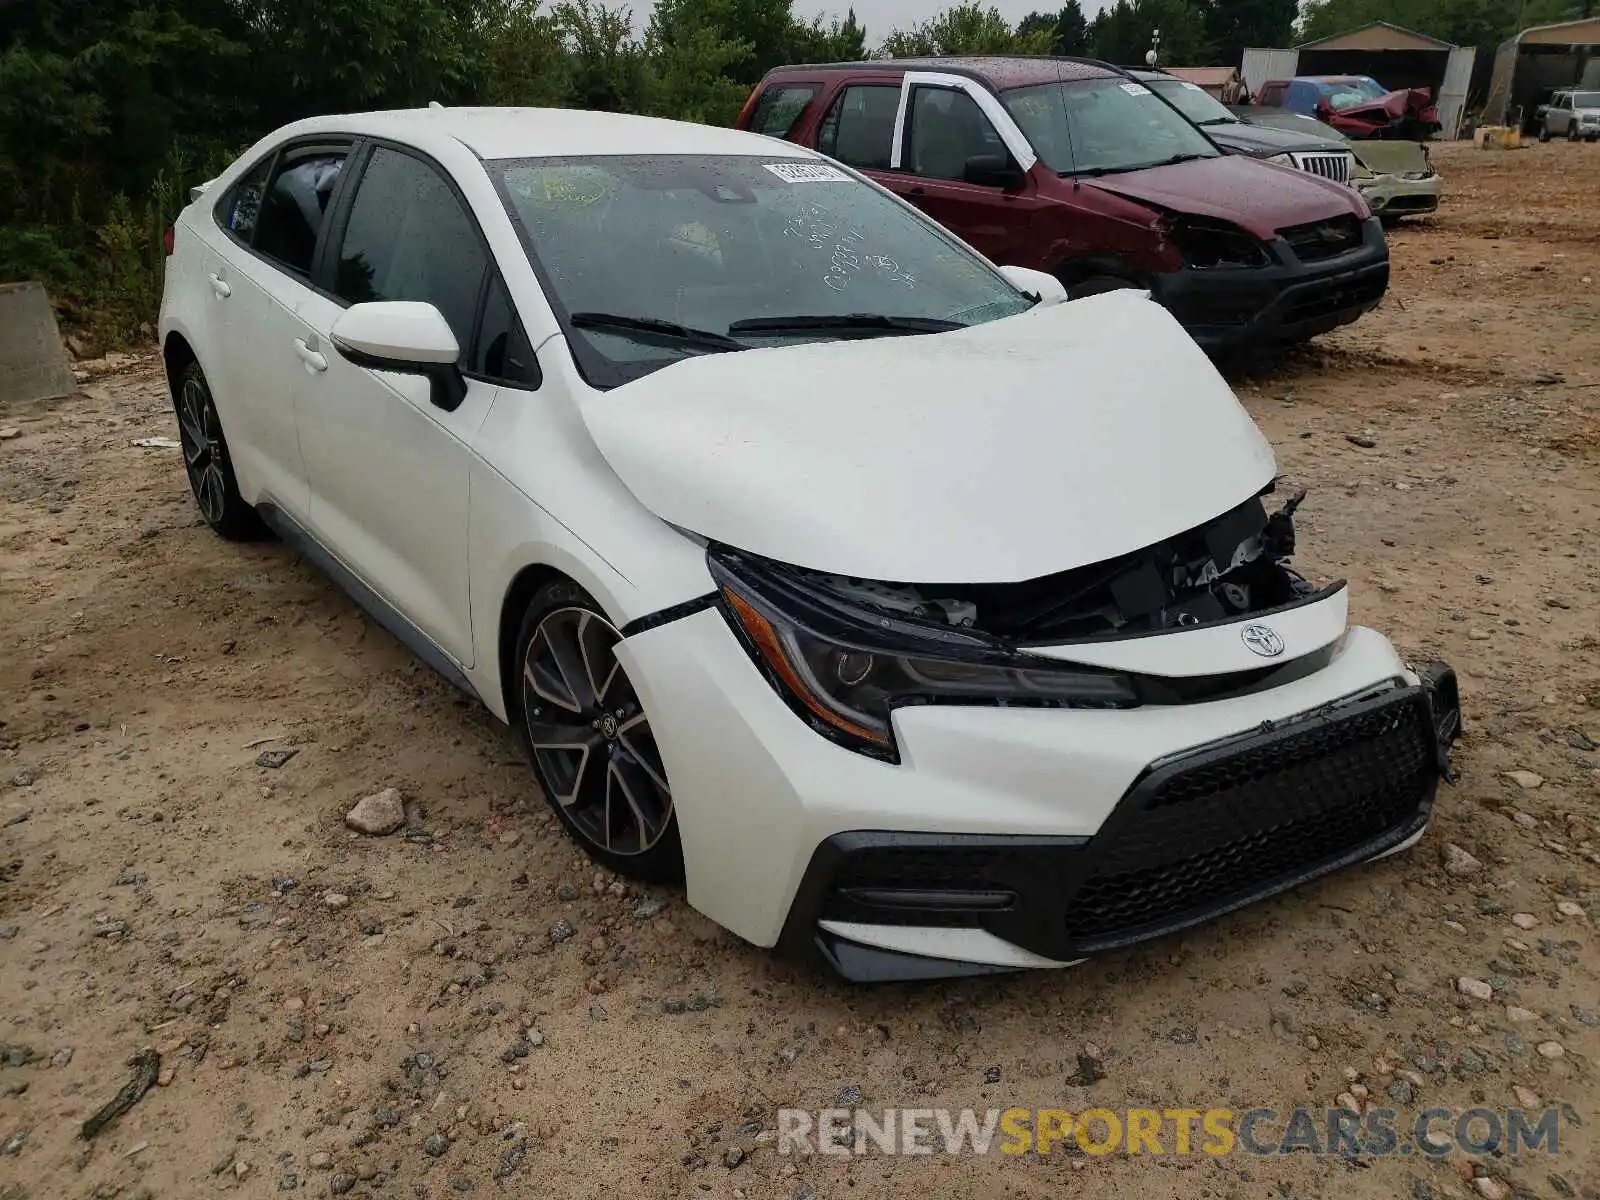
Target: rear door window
[[295, 206], [780, 107], [859, 128]]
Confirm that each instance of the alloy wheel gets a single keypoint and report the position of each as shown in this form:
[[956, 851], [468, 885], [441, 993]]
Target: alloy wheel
[[200, 434], [590, 736]]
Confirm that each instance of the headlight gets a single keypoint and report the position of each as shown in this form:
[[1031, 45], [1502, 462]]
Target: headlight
[[1283, 160], [846, 686], [1205, 242]]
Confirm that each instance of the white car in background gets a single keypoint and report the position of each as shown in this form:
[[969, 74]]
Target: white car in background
[[913, 615], [1572, 115]]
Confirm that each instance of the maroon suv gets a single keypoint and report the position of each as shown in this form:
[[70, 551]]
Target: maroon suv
[[1076, 168]]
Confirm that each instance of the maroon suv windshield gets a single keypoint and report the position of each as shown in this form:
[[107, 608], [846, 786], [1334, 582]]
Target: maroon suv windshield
[[1098, 126]]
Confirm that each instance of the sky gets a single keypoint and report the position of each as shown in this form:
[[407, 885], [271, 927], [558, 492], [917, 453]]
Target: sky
[[882, 17]]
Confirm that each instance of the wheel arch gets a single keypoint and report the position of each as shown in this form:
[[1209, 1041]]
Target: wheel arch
[[176, 354], [524, 585], [1076, 270]]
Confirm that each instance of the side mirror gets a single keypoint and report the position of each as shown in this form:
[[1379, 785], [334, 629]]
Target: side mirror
[[1047, 288], [993, 170], [1324, 109], [407, 337]]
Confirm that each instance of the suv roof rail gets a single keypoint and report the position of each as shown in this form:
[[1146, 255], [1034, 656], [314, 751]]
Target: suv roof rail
[[905, 63]]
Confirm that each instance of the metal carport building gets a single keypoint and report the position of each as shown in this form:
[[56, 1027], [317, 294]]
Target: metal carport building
[[1529, 66], [1395, 57]]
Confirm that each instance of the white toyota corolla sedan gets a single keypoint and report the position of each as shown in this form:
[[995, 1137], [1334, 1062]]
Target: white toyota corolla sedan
[[914, 616]]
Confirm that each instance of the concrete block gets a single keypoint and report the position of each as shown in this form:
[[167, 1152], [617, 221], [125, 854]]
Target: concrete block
[[33, 362]]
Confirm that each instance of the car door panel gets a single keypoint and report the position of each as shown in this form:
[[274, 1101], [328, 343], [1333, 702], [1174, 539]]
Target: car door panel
[[388, 470], [388, 473], [255, 300]]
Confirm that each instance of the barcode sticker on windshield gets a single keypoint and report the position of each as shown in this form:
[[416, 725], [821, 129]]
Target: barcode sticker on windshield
[[1136, 89], [802, 172], [1193, 87]]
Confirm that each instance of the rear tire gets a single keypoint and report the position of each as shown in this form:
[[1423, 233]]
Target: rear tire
[[207, 461], [585, 731]]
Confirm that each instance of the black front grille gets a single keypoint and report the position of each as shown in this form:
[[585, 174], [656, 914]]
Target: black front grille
[[1336, 296], [1323, 239], [1213, 829], [1195, 836]]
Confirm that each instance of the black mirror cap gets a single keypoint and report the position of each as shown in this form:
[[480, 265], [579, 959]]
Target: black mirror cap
[[993, 170], [448, 387]]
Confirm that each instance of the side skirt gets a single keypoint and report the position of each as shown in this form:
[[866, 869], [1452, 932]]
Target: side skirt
[[380, 610]]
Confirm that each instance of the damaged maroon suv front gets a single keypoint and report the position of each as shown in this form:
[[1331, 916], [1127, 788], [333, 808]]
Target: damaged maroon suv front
[[1077, 169]]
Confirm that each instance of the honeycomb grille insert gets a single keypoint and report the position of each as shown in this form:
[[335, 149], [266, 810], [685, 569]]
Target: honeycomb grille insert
[[1205, 833]]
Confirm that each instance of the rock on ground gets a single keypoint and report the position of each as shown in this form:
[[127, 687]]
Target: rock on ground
[[378, 814]]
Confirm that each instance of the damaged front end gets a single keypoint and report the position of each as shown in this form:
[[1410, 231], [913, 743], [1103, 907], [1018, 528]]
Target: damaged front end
[[845, 652]]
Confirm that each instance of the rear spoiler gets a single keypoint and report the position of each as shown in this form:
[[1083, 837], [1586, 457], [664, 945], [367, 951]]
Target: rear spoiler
[[199, 190]]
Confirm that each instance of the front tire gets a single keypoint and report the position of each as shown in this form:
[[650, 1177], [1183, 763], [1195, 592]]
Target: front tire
[[585, 731], [207, 461], [1544, 133], [1572, 132]]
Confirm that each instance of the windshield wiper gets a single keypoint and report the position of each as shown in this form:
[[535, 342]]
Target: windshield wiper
[[847, 321], [1129, 168], [652, 327], [1221, 121]]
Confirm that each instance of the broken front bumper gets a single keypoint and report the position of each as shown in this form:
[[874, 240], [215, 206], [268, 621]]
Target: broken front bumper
[[1396, 196], [1198, 834], [1231, 308]]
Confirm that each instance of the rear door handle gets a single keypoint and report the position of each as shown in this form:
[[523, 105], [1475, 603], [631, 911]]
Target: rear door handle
[[220, 286], [312, 360]]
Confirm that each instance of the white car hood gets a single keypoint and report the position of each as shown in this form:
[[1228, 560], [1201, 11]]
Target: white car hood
[[1015, 449]]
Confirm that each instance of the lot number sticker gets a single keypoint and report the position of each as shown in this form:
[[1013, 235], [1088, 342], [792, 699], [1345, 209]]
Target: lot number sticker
[[798, 172], [1136, 89]]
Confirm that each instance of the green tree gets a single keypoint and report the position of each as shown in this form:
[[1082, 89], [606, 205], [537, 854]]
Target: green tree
[[606, 64], [1122, 33], [523, 54], [697, 64], [1233, 25], [968, 28], [837, 41], [765, 28], [1067, 30]]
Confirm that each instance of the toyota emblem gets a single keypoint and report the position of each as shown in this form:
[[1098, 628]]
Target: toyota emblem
[[1262, 640]]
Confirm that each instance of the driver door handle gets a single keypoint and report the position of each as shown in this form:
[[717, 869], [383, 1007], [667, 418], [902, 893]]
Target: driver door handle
[[220, 286], [312, 360]]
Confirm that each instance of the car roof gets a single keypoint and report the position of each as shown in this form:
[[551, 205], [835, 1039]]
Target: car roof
[[546, 133], [1000, 73]]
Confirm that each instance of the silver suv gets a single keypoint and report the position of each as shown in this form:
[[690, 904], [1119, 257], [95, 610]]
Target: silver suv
[[1576, 114]]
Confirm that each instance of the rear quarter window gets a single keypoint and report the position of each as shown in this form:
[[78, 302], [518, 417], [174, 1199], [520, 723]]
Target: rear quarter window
[[239, 208], [779, 109]]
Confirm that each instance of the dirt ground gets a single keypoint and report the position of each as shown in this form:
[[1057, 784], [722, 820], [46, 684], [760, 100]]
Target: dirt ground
[[159, 888]]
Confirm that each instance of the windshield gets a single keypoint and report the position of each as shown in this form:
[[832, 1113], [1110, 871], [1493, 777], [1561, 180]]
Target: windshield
[[1097, 126], [1347, 93], [684, 248], [1193, 101]]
